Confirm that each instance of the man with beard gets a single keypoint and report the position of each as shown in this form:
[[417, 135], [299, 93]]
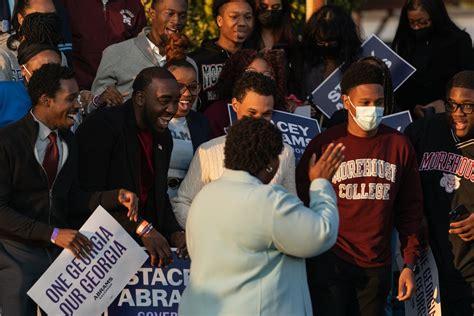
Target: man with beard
[[235, 20], [445, 150], [130, 146], [40, 200], [122, 62]]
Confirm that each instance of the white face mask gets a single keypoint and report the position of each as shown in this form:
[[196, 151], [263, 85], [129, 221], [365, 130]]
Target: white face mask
[[367, 117]]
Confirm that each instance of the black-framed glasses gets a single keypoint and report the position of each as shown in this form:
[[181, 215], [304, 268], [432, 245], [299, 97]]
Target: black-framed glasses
[[193, 88], [466, 108]]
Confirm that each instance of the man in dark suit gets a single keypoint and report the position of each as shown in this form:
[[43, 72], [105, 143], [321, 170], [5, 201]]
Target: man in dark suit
[[130, 146], [39, 191]]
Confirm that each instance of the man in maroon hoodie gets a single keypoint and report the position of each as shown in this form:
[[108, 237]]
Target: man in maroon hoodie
[[97, 24], [378, 189]]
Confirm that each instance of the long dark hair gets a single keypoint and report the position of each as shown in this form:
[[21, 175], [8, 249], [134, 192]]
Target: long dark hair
[[331, 22], [235, 66], [442, 25], [287, 35]]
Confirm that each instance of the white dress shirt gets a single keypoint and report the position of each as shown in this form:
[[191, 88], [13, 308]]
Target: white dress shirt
[[42, 142], [156, 51], [208, 165]]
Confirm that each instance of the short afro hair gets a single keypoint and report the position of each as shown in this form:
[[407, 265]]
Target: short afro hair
[[217, 5], [146, 76], [463, 79], [251, 145], [360, 73], [47, 80], [256, 82]]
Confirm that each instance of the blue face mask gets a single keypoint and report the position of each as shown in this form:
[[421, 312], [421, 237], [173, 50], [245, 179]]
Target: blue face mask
[[367, 117]]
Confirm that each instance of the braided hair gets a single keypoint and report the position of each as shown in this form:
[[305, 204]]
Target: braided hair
[[39, 28]]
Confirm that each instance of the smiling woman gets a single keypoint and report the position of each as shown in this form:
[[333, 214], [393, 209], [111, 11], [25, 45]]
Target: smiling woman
[[188, 127]]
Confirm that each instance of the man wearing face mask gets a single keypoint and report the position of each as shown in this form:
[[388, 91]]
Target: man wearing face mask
[[378, 188]]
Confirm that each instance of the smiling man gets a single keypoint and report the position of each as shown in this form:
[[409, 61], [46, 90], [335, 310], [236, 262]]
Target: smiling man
[[445, 148], [235, 20], [122, 62], [253, 96], [130, 146], [40, 199]]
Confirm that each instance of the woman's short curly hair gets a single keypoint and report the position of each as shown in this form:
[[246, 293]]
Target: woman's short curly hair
[[251, 145]]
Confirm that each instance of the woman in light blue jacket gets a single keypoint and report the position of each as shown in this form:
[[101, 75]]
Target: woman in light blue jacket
[[247, 240]]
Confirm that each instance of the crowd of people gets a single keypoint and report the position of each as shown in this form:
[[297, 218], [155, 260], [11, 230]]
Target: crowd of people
[[97, 107]]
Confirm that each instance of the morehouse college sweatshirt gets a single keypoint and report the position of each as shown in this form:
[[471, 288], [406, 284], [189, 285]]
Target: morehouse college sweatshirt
[[446, 167], [378, 189]]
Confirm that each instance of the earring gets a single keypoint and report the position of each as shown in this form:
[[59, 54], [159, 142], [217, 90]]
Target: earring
[[269, 169]]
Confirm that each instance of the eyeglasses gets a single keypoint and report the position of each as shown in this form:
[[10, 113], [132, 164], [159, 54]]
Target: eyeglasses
[[466, 108], [419, 23], [193, 88]]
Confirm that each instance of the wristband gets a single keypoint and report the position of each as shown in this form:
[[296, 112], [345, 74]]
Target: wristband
[[54, 235], [141, 227], [147, 229], [95, 101]]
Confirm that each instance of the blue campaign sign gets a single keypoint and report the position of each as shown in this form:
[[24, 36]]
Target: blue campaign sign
[[153, 291], [398, 121], [297, 130], [327, 96]]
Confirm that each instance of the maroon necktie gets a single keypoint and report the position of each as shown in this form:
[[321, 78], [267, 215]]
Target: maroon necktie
[[51, 158]]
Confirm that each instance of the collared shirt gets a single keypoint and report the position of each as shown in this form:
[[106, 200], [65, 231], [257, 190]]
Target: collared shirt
[[42, 142], [156, 51]]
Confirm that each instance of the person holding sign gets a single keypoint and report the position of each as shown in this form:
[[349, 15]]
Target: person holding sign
[[261, 231], [130, 146], [430, 41], [445, 148], [254, 96], [39, 192], [378, 189]]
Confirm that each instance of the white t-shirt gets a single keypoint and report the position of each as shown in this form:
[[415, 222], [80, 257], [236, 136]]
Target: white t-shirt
[[181, 155]]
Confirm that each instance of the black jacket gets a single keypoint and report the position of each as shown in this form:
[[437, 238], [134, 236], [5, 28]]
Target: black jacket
[[109, 158], [28, 209], [436, 62], [446, 169], [198, 128], [209, 58]]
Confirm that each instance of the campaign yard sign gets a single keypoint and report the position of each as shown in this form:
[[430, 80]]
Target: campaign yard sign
[[153, 291], [297, 130], [88, 284], [427, 298], [398, 121], [327, 96]]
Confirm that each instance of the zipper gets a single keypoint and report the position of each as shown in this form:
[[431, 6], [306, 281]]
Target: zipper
[[104, 9]]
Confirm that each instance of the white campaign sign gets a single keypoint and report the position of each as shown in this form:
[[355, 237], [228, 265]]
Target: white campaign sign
[[88, 285], [427, 299]]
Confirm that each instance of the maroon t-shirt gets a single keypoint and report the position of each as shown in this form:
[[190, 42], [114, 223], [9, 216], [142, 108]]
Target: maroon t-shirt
[[378, 188]]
